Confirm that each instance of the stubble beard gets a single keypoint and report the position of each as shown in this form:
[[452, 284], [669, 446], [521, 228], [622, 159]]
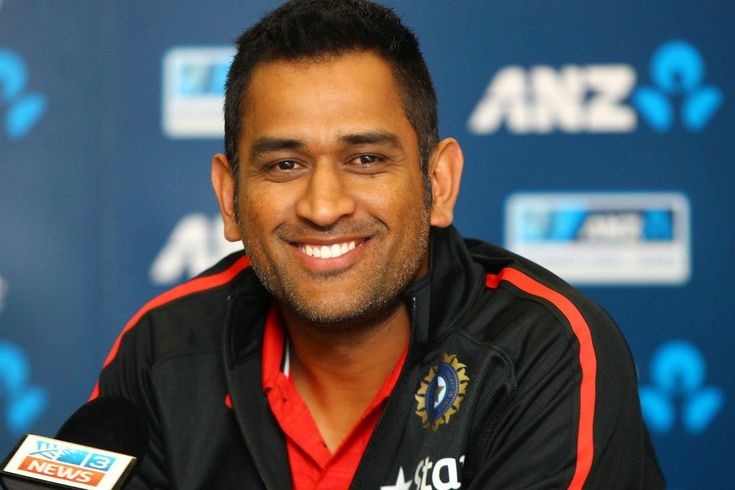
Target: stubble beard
[[377, 298]]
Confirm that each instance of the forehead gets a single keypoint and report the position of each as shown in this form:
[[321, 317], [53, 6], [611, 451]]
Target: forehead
[[356, 91]]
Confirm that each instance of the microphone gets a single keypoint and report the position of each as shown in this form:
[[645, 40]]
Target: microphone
[[97, 448]]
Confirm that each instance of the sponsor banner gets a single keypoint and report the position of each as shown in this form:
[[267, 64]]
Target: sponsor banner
[[603, 238], [54, 461], [600, 97], [542, 99], [196, 242], [193, 91]]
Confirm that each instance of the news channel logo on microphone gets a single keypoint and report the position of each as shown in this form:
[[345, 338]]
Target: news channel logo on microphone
[[61, 464]]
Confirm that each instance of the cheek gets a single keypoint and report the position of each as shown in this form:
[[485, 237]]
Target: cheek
[[397, 198], [261, 205], [253, 220]]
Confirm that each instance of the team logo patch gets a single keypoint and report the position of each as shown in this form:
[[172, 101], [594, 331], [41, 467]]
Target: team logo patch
[[441, 392]]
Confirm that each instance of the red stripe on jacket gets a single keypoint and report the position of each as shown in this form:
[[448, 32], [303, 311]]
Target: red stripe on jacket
[[587, 360], [194, 286]]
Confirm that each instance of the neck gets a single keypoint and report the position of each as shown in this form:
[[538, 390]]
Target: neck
[[339, 370]]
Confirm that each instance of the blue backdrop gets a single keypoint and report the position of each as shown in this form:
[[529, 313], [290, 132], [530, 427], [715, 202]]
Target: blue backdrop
[[596, 141]]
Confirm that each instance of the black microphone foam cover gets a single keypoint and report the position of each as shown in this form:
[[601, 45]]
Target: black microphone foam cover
[[112, 423]]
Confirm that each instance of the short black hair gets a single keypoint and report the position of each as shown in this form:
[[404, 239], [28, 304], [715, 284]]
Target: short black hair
[[316, 29]]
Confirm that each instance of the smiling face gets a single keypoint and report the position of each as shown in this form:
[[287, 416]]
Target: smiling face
[[330, 201]]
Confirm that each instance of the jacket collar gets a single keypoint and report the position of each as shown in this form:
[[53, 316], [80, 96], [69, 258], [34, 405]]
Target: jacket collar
[[446, 292], [247, 308]]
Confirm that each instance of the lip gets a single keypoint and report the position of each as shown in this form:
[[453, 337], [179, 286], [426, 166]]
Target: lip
[[331, 264]]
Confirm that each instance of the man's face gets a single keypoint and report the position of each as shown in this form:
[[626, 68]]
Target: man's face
[[331, 198]]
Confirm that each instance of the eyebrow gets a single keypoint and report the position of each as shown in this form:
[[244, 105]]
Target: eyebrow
[[372, 138], [268, 144]]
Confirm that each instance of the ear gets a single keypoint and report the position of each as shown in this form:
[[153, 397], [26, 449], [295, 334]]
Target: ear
[[223, 183], [445, 171]]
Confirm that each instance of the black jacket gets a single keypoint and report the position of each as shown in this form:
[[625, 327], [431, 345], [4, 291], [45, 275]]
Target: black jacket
[[530, 384]]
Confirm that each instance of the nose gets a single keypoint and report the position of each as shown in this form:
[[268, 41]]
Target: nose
[[326, 197]]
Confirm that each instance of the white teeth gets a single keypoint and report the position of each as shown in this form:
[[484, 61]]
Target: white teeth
[[326, 251]]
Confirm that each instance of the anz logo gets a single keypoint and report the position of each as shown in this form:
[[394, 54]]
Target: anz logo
[[679, 391], [22, 109], [597, 98], [677, 70], [195, 243]]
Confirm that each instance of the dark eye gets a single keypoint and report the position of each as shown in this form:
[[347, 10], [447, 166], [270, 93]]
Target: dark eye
[[367, 163], [285, 165], [283, 170], [367, 159]]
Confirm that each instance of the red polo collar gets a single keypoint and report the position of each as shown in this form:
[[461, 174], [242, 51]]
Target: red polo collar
[[312, 465]]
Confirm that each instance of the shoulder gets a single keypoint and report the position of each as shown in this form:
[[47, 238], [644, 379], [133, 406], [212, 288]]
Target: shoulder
[[514, 283], [573, 379], [533, 316], [189, 315]]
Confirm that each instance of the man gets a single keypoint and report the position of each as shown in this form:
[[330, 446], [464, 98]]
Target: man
[[360, 342]]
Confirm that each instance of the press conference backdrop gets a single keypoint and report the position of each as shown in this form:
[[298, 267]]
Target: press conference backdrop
[[598, 139]]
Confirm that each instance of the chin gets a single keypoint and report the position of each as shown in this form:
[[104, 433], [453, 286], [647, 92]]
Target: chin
[[348, 316]]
